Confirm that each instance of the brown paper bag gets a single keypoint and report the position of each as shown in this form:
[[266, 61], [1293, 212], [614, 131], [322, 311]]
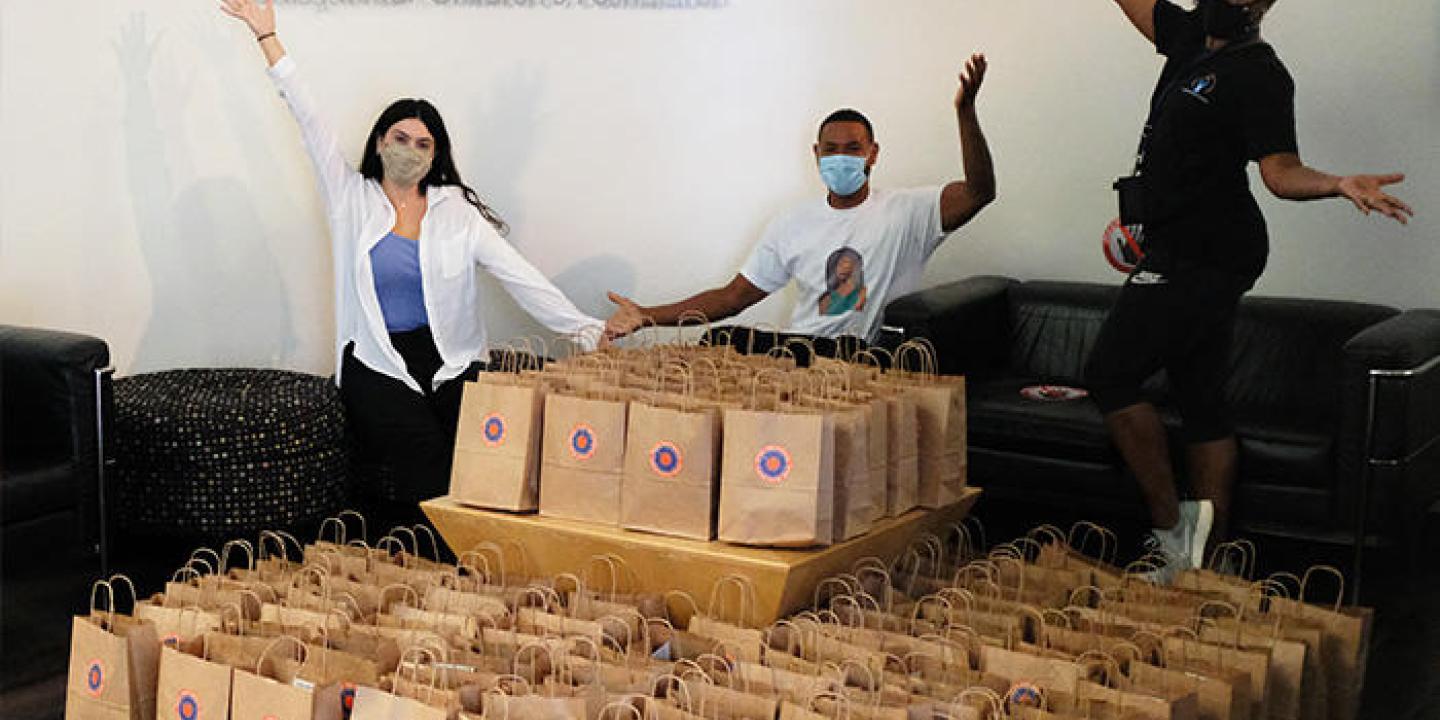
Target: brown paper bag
[[1048, 673], [114, 667], [1110, 702], [1254, 664], [878, 451], [375, 704], [1216, 699], [777, 478], [176, 626], [500, 706], [902, 471], [191, 687], [275, 689], [497, 444], [1345, 644], [583, 458], [939, 413], [855, 508], [671, 474], [1287, 666]]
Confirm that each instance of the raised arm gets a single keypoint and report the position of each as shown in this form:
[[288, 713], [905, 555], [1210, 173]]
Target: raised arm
[[1291, 179], [960, 201], [1141, 14], [714, 304], [334, 172]]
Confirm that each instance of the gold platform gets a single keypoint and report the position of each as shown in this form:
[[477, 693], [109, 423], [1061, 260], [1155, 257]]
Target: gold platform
[[784, 580]]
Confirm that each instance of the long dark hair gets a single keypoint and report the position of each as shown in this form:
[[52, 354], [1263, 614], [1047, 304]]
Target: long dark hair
[[442, 169]]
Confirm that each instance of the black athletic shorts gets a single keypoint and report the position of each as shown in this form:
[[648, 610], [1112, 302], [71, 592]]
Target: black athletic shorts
[[1179, 322]]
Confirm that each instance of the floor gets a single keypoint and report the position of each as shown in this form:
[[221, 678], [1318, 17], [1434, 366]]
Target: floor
[[1403, 678]]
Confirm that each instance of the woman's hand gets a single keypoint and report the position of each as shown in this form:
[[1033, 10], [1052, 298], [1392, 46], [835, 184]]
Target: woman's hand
[[258, 16]]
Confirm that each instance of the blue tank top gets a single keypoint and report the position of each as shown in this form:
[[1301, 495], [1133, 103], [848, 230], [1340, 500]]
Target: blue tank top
[[395, 260]]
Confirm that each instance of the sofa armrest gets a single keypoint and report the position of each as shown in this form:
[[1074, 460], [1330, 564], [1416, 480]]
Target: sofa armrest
[[1400, 357], [968, 321], [1391, 424], [54, 401]]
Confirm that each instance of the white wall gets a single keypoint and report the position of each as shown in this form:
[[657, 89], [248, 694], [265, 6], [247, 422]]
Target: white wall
[[154, 192]]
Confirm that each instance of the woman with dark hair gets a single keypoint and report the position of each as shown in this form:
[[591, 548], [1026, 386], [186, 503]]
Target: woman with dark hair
[[408, 236]]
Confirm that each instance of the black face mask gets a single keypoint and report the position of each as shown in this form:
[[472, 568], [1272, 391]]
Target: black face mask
[[1227, 22]]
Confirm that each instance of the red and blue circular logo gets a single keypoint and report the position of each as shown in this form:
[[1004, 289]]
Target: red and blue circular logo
[[582, 442], [95, 678], [493, 429], [666, 459], [187, 706], [773, 464], [347, 698]]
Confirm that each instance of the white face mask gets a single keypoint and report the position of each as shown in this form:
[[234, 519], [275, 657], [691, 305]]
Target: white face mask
[[404, 165]]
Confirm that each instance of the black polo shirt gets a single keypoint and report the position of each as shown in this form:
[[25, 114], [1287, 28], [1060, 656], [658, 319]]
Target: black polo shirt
[[1217, 112]]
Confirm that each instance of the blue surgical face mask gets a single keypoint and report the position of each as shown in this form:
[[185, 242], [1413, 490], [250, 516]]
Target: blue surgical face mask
[[843, 174]]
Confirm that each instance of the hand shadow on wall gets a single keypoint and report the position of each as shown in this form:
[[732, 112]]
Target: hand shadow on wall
[[218, 297]]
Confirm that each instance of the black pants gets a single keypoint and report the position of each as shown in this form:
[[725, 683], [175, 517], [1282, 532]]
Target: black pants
[[405, 441], [1183, 323]]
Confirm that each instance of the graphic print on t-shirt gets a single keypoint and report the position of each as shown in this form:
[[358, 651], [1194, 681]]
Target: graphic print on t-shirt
[[845, 290]]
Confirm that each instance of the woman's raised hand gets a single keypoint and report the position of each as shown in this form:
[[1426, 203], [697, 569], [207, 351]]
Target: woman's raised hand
[[258, 16]]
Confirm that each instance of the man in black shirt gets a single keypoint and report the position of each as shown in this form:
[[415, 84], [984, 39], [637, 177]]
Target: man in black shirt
[[1224, 99]]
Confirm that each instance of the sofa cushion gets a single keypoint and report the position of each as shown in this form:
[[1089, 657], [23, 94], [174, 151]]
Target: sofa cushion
[[1290, 450]]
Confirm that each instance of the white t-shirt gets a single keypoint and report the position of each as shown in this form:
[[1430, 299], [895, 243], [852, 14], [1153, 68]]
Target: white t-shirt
[[848, 263]]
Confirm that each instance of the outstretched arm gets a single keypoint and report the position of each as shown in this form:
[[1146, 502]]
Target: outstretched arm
[[1141, 14], [960, 201], [715, 304], [1291, 179], [331, 167]]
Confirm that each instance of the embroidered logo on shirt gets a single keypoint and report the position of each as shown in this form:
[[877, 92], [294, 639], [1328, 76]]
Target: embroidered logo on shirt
[[1145, 277], [1201, 87]]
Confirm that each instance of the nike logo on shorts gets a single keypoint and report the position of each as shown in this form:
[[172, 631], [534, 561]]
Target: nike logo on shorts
[[1145, 277]]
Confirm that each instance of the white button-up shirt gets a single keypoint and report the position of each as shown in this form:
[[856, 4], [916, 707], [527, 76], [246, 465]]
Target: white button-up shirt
[[455, 241]]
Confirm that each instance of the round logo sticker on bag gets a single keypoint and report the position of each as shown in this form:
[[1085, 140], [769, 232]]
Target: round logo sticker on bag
[[772, 464], [493, 429], [95, 678], [347, 698], [666, 459], [582, 442], [187, 707]]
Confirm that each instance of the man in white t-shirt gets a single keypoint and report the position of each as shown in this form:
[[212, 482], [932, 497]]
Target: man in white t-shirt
[[857, 249]]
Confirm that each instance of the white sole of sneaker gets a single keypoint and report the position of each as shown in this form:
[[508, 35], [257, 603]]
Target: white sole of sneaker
[[1204, 521]]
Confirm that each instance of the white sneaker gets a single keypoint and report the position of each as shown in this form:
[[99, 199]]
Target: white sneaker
[[1183, 546], [1167, 550]]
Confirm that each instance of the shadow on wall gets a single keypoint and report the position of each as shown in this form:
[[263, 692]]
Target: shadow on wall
[[218, 297], [495, 150], [584, 283]]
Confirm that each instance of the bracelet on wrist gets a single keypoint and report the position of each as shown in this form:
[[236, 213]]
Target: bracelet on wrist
[[262, 37]]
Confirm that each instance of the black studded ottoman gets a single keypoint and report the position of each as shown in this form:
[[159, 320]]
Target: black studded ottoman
[[226, 453]]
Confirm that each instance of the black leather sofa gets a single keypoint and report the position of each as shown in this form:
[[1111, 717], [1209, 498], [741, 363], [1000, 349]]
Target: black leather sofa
[[54, 397], [1315, 462]]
